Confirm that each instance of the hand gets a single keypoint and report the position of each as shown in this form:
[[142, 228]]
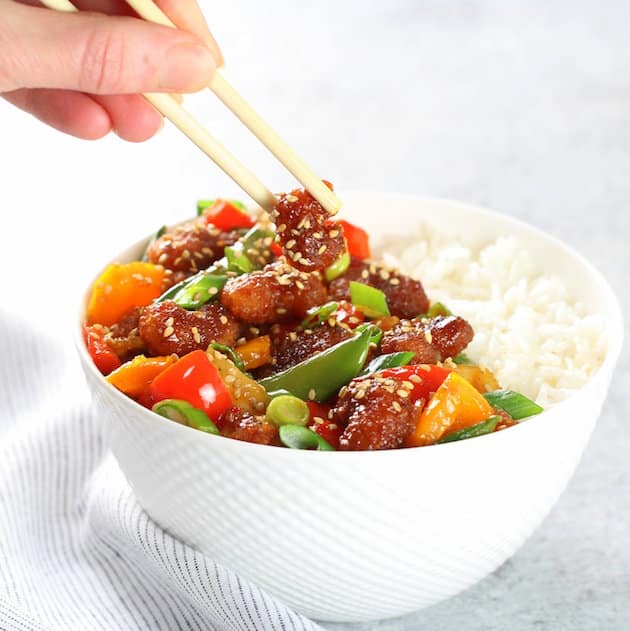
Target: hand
[[82, 72]]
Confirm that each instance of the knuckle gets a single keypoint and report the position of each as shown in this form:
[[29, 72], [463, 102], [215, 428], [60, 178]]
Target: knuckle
[[102, 63]]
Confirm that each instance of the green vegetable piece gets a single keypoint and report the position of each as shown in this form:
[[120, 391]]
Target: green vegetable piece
[[376, 333], [438, 309], [479, 429], [297, 437], [337, 268], [316, 315], [321, 376], [198, 290], [517, 405], [463, 359], [392, 360], [202, 204], [288, 410], [184, 413], [237, 260], [231, 354], [368, 299]]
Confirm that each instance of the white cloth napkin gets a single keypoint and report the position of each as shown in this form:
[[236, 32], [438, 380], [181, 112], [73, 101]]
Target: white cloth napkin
[[76, 549]]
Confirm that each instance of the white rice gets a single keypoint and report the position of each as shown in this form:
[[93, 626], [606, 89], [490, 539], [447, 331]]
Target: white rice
[[533, 336]]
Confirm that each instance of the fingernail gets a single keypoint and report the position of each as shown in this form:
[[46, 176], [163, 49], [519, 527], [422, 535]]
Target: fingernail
[[186, 68]]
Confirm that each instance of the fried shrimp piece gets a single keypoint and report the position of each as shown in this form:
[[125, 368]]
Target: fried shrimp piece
[[277, 293], [242, 425], [309, 238], [376, 413], [191, 247], [166, 328], [431, 340], [405, 295]]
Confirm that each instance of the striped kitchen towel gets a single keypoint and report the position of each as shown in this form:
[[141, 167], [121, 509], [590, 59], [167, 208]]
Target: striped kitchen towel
[[76, 549]]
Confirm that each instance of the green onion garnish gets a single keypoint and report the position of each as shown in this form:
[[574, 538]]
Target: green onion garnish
[[316, 315], [184, 413], [202, 204], [288, 410], [369, 300], [463, 359], [237, 260], [337, 268], [479, 429], [517, 405], [192, 295], [230, 353], [392, 360], [296, 437]]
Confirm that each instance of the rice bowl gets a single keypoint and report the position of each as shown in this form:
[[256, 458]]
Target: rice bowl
[[373, 535]]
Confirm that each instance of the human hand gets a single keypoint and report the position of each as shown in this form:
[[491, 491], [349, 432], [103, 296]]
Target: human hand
[[82, 72]]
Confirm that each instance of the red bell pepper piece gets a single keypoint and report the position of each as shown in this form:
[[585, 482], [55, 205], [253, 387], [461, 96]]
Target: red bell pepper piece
[[195, 379], [102, 355], [426, 378], [357, 239], [347, 313], [226, 216], [276, 249], [322, 425]]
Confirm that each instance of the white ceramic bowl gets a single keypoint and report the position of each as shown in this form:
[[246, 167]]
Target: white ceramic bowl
[[364, 535]]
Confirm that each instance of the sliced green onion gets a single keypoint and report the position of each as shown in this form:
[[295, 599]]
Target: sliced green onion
[[392, 360], [337, 268], [195, 292], [463, 359], [288, 410], [316, 315], [185, 414], [369, 300], [237, 260], [296, 437], [230, 353], [438, 309], [376, 333], [517, 405], [202, 204], [479, 429]]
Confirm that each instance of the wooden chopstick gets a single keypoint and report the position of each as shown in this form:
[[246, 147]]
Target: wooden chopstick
[[191, 127], [149, 11]]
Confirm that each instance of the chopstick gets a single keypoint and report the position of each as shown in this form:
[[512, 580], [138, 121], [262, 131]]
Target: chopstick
[[148, 10], [191, 127]]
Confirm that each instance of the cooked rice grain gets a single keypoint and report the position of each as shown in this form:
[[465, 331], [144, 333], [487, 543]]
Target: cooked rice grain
[[528, 330]]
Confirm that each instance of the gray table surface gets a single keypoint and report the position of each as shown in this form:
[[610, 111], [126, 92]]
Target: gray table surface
[[522, 106]]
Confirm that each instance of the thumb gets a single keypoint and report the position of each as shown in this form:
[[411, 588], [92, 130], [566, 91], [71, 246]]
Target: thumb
[[98, 54]]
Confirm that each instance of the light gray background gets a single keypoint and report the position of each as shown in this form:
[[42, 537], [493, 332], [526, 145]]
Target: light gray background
[[519, 106]]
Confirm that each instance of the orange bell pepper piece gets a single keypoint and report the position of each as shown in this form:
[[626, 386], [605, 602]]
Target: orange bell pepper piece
[[120, 288], [455, 405], [256, 352], [133, 377]]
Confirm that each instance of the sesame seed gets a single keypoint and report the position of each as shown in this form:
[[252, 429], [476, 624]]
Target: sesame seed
[[312, 394], [290, 244], [332, 321], [353, 320], [408, 385], [333, 234], [281, 310], [359, 395], [322, 249], [428, 336], [254, 330], [282, 227], [293, 336], [186, 254], [170, 321], [163, 258], [168, 331], [213, 291], [291, 198], [317, 235], [207, 251], [223, 319], [229, 379], [307, 223], [241, 341], [198, 255], [394, 281], [384, 274], [196, 336], [365, 274], [305, 261], [415, 379], [397, 406], [299, 284], [402, 393], [450, 406]]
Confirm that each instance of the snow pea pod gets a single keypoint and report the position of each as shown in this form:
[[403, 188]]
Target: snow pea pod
[[319, 377]]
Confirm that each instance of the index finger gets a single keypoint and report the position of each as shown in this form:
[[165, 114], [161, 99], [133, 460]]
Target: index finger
[[187, 15]]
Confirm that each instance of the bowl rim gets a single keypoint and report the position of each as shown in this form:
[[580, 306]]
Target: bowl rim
[[614, 343]]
